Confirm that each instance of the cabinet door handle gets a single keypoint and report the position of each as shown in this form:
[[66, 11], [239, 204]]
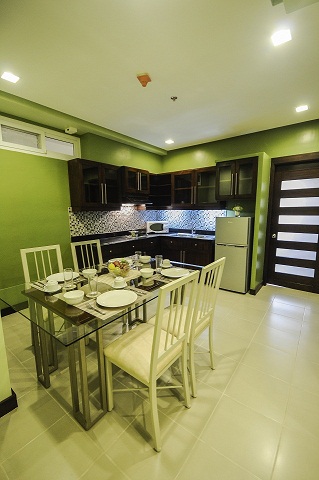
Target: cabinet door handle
[[105, 194], [102, 193], [139, 181], [236, 184], [232, 184], [194, 196]]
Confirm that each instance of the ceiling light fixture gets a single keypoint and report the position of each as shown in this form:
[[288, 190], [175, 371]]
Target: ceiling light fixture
[[169, 141], [282, 36], [301, 108], [10, 77]]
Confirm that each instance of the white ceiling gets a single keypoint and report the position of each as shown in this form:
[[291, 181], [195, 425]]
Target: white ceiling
[[81, 57]]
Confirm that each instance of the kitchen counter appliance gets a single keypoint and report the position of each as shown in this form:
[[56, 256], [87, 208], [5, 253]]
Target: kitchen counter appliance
[[233, 241], [157, 227]]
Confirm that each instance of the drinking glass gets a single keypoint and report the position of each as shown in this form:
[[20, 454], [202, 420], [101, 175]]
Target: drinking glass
[[68, 278], [93, 284], [158, 263], [137, 255]]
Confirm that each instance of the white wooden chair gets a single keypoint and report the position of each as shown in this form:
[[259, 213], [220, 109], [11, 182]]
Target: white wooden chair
[[203, 313], [86, 254], [40, 262], [148, 351]]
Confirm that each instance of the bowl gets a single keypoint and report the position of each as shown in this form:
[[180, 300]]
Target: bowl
[[146, 272], [145, 258], [89, 272], [73, 297]]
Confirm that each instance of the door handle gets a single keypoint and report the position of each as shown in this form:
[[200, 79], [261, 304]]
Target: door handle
[[274, 235], [102, 193], [105, 194]]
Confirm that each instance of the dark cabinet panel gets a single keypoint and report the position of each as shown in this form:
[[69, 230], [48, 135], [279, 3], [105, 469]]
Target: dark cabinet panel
[[135, 181], [160, 190], [93, 185], [188, 250], [236, 178], [194, 188]]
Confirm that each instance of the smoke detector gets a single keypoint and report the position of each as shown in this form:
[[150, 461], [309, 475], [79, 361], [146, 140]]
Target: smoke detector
[[71, 130], [144, 78]]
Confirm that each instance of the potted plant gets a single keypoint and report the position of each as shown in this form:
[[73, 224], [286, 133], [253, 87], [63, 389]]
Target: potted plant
[[237, 209]]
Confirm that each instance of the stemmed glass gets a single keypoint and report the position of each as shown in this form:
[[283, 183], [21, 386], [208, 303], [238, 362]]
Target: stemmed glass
[[91, 275]]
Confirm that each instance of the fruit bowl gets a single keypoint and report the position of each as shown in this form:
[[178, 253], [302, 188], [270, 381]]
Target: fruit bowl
[[119, 268]]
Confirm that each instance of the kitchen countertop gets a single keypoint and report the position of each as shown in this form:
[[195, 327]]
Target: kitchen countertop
[[128, 238]]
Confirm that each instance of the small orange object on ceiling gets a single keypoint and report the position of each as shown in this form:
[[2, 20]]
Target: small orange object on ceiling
[[144, 78]]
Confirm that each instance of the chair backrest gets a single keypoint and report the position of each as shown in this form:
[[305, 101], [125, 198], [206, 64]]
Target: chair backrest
[[86, 254], [209, 283], [40, 262], [174, 308]]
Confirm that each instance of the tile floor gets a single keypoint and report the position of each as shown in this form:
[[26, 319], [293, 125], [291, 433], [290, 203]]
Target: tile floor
[[256, 415]]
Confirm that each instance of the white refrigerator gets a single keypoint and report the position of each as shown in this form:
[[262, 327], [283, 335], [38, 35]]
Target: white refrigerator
[[233, 241]]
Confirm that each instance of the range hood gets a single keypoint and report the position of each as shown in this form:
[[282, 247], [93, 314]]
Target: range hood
[[135, 199]]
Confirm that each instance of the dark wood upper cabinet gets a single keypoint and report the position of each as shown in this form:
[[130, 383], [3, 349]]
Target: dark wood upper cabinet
[[194, 188], [236, 178], [94, 185], [135, 181], [160, 190]]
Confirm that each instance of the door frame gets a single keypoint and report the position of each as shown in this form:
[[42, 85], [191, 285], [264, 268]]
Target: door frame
[[290, 159]]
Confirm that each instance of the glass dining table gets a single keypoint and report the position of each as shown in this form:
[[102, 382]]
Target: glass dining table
[[55, 322]]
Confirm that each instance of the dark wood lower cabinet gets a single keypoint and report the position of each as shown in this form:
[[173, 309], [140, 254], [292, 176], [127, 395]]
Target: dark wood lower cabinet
[[186, 250]]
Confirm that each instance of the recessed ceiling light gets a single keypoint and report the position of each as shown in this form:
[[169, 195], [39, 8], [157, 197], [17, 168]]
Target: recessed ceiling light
[[282, 36], [302, 108], [10, 77], [169, 142]]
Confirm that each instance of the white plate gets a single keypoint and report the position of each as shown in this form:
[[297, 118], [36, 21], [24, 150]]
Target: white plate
[[116, 298], [129, 260], [59, 277], [174, 272]]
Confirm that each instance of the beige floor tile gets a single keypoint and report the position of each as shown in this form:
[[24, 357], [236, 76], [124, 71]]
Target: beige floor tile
[[237, 326], [229, 345], [270, 360], [286, 341], [308, 347], [36, 412], [205, 463], [283, 323], [287, 310], [134, 454], [302, 412], [3, 475], [306, 375], [261, 392], [244, 436], [62, 451], [297, 457], [103, 469], [195, 418], [220, 376]]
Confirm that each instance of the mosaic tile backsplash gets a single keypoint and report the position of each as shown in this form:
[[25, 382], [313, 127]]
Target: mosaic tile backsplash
[[90, 223]]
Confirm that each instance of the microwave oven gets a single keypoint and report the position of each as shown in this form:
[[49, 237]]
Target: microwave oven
[[157, 227]]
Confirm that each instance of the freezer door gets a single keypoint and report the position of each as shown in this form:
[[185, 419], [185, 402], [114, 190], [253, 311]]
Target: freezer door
[[236, 267], [233, 230]]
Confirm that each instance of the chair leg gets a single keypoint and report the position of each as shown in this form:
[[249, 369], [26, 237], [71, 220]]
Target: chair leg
[[192, 369], [154, 417], [211, 349], [109, 384], [185, 380]]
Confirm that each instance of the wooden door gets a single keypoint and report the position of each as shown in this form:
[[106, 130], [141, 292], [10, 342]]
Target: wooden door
[[294, 227]]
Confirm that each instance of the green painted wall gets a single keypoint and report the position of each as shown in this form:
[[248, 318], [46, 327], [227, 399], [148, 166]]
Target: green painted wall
[[104, 150], [290, 140], [34, 198]]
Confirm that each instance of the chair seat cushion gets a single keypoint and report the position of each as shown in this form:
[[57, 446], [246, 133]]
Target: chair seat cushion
[[132, 352]]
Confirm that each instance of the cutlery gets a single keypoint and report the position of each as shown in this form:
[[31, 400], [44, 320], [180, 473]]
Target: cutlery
[[92, 307]]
